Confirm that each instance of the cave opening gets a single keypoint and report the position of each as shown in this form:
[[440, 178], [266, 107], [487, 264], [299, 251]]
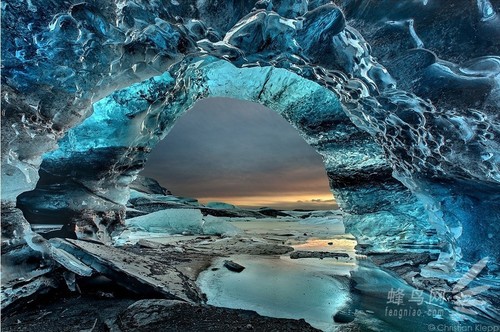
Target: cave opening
[[409, 140], [237, 152], [95, 172], [87, 178]]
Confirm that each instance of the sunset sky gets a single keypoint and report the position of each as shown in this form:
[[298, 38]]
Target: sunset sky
[[240, 153]]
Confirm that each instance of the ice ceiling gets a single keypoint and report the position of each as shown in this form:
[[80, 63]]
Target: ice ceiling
[[400, 100]]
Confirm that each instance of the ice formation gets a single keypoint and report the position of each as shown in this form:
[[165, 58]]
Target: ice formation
[[182, 221], [409, 136]]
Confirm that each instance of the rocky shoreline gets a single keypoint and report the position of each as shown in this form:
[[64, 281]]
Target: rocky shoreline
[[99, 314], [108, 301]]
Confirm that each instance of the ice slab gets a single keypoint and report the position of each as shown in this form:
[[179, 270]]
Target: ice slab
[[182, 221]]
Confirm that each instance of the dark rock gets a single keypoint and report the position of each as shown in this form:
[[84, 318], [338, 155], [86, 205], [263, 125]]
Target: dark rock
[[239, 213], [343, 317], [395, 259], [67, 231], [243, 246], [346, 313], [60, 311], [132, 271], [148, 186], [318, 254], [177, 316], [157, 310], [232, 266], [149, 244], [273, 212]]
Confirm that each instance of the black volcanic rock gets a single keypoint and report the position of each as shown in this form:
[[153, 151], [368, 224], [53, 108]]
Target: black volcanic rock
[[318, 254], [176, 316], [232, 266]]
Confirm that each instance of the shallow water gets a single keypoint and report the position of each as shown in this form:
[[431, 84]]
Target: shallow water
[[280, 287], [311, 288], [292, 226], [315, 289]]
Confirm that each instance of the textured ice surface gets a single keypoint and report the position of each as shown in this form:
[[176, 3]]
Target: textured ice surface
[[409, 136], [174, 220], [218, 226], [179, 221]]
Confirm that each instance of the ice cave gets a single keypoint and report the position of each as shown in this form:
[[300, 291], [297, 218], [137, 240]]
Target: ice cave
[[400, 99]]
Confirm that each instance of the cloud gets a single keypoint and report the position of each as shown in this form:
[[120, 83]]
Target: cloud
[[228, 148]]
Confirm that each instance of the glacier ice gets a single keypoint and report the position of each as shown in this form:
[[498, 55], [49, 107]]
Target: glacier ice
[[220, 205], [175, 221], [182, 221], [409, 136], [218, 226]]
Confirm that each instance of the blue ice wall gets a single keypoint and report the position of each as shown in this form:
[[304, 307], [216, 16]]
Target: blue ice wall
[[124, 127], [346, 76]]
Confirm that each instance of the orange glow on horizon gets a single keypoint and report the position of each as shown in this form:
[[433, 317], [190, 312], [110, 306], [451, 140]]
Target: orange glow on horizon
[[298, 200]]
